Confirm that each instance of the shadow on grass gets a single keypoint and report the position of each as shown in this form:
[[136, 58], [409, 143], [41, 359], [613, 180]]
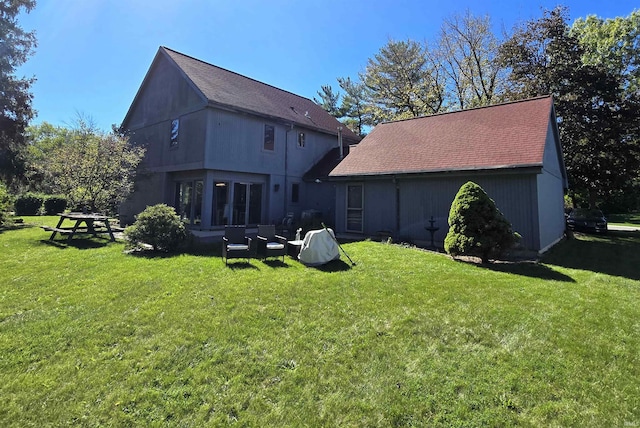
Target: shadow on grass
[[333, 266], [275, 263], [529, 269], [80, 244], [617, 254], [241, 265]]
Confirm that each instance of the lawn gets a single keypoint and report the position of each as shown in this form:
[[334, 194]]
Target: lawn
[[632, 219], [92, 336]]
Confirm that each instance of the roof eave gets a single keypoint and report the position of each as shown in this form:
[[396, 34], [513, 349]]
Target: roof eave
[[534, 167]]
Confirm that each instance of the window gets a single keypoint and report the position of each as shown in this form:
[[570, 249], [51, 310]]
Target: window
[[295, 193], [301, 139], [247, 203], [220, 212], [175, 125], [269, 142], [188, 201]]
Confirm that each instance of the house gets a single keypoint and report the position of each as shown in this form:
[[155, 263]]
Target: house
[[405, 172], [223, 148]]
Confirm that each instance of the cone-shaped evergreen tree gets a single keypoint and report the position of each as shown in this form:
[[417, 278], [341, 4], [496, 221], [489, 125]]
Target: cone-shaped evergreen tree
[[476, 226]]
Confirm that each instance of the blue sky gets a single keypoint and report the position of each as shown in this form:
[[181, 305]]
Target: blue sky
[[92, 55]]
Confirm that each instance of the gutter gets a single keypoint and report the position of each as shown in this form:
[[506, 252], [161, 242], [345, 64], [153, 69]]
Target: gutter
[[498, 169]]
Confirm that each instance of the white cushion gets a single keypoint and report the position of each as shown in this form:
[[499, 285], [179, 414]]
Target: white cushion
[[275, 246], [237, 247]]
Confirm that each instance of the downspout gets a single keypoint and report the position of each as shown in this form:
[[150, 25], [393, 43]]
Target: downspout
[[286, 165], [397, 186], [340, 142]]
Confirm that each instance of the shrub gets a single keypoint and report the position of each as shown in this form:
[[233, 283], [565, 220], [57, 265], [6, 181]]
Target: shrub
[[54, 204], [476, 226], [29, 204], [158, 226], [5, 204]]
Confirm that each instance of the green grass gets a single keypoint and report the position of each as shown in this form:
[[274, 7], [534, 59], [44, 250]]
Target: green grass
[[91, 336], [632, 219]]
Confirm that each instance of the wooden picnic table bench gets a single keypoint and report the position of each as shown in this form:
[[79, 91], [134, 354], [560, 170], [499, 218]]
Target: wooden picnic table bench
[[94, 224]]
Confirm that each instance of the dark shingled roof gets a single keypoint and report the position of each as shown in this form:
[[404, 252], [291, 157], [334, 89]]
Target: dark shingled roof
[[509, 135], [232, 90]]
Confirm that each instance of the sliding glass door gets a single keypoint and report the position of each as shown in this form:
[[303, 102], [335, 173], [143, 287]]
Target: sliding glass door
[[188, 201], [247, 203]]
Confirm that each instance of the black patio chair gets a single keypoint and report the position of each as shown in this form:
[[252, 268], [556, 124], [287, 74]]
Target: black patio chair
[[235, 245], [270, 244]]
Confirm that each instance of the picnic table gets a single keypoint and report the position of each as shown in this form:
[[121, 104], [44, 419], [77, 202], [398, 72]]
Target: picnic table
[[94, 224]]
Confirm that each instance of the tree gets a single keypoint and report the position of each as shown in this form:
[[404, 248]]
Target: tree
[[16, 111], [613, 43], [93, 168], [544, 58], [402, 83], [5, 204], [476, 226], [329, 101], [43, 139], [355, 109], [468, 50]]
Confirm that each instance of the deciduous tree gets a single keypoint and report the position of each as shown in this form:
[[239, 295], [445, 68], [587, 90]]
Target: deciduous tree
[[468, 50], [93, 168], [16, 45], [544, 58]]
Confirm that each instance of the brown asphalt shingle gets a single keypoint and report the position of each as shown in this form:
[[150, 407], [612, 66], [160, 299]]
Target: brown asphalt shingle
[[226, 88], [501, 136]]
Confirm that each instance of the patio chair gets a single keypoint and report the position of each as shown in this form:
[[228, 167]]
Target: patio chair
[[270, 244], [235, 245]]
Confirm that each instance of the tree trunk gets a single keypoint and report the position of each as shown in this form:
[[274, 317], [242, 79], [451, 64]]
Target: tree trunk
[[593, 196]]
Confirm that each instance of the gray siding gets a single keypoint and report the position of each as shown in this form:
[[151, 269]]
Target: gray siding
[[514, 196], [423, 197], [164, 95], [186, 155], [150, 189], [551, 194]]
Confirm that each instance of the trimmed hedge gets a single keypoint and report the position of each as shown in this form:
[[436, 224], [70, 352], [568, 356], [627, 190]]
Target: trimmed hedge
[[29, 204], [54, 204]]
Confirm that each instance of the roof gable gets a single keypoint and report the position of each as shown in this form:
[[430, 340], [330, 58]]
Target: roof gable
[[228, 89], [154, 98], [507, 135]]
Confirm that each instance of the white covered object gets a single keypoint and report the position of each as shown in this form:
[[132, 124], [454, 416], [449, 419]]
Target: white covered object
[[319, 247]]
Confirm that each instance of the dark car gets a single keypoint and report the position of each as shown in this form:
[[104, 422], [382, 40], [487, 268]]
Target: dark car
[[590, 220]]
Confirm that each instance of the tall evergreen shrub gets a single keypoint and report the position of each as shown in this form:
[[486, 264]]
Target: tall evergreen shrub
[[476, 226]]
